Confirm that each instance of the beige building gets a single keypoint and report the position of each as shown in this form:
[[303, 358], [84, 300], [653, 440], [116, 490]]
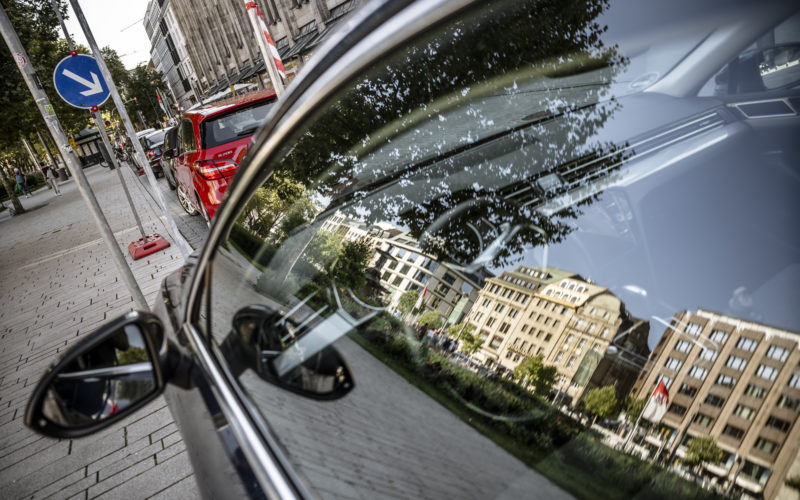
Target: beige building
[[568, 320], [737, 381], [221, 45]]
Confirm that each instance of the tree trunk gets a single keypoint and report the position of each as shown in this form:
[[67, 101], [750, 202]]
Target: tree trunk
[[10, 190]]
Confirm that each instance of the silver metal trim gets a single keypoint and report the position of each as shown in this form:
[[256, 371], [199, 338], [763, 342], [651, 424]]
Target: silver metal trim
[[260, 458], [111, 371], [784, 100]]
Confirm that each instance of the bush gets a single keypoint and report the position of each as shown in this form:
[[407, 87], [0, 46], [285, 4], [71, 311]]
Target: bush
[[253, 247]]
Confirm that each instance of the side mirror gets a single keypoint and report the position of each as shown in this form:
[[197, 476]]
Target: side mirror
[[105, 377], [168, 154], [265, 342]]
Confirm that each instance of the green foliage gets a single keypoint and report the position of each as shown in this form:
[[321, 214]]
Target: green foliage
[[470, 343], [407, 301], [601, 401], [534, 372], [349, 268], [702, 450], [634, 407], [140, 92], [132, 355], [271, 203], [432, 319]]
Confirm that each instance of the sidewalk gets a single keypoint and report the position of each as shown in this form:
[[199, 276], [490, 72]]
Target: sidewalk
[[59, 284]]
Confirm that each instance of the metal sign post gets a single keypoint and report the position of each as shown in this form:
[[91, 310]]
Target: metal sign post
[[46, 109], [98, 120], [183, 245]]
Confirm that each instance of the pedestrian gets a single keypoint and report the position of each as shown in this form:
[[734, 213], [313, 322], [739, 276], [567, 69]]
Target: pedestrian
[[50, 178], [22, 182]]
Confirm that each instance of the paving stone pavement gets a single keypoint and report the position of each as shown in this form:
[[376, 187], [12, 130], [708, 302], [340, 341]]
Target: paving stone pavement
[[59, 284]]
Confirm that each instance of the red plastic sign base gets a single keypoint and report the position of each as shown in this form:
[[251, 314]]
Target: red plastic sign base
[[143, 247]]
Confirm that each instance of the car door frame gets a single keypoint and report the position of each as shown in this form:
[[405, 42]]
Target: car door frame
[[376, 29]]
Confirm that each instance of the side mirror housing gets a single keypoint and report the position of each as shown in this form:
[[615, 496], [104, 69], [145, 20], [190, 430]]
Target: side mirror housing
[[105, 377]]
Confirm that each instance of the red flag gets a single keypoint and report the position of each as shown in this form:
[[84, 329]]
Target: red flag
[[657, 405]]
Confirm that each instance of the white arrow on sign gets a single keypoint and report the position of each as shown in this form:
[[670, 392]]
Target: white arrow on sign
[[94, 86]]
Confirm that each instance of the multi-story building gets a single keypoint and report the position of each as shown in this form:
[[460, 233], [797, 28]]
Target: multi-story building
[[221, 44], [734, 380], [168, 53], [569, 321]]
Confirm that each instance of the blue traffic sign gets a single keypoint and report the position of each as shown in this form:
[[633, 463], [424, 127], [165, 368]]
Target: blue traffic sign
[[78, 81]]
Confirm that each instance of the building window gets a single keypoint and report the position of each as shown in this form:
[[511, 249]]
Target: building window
[[405, 269], [548, 337], [755, 391], [688, 390], [767, 372], [571, 362], [777, 352], [714, 400], [386, 276], [703, 420], [777, 423], [504, 327], [397, 281], [744, 412], [499, 308], [736, 363], [747, 344], [794, 381], [392, 264], [490, 322], [667, 381], [591, 328], [725, 380], [766, 445], [581, 343], [496, 341], [681, 345], [677, 409], [512, 313], [718, 336], [693, 329], [524, 299], [756, 473], [734, 432], [559, 357], [698, 372], [673, 364], [786, 402], [605, 333], [486, 303], [708, 354], [524, 328], [449, 278], [570, 338]]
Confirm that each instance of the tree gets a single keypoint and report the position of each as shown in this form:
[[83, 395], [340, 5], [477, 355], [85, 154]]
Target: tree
[[470, 343], [349, 268], [601, 401], [407, 301], [432, 319], [634, 406], [534, 372], [141, 88], [702, 450]]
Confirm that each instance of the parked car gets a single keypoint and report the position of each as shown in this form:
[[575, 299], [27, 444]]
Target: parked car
[[498, 155], [167, 161], [140, 136], [211, 142], [153, 145]]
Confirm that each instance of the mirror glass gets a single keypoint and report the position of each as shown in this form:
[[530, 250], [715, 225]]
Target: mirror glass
[[303, 364], [101, 382]]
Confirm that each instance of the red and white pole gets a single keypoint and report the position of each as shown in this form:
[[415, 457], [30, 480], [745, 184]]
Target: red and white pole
[[268, 50]]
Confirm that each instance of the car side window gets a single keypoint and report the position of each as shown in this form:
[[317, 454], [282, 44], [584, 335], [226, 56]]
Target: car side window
[[187, 137], [450, 258]]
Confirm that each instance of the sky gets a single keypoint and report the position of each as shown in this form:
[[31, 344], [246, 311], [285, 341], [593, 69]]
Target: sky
[[115, 24]]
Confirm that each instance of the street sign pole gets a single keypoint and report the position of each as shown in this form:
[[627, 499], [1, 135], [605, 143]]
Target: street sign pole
[[183, 245], [98, 120], [46, 109]]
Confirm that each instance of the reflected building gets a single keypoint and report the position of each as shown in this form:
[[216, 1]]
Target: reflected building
[[569, 321], [734, 380]]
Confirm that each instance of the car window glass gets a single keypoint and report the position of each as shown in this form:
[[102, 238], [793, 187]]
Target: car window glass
[[491, 231], [187, 137], [231, 126]]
